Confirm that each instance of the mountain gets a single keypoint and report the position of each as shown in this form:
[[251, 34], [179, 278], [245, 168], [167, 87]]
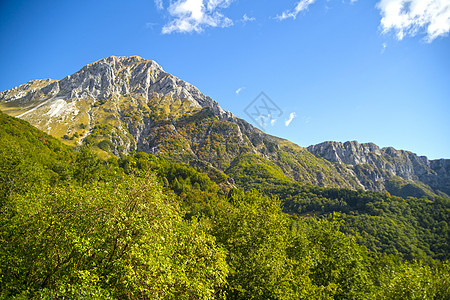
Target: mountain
[[402, 172], [123, 104], [117, 88]]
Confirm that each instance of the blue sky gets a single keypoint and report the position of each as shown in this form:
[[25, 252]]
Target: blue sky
[[372, 71]]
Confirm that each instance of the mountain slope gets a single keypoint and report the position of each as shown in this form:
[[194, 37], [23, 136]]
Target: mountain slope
[[123, 104], [29, 156]]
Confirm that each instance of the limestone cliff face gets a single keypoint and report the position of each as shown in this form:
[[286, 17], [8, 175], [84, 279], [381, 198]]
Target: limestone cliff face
[[442, 178], [374, 166]]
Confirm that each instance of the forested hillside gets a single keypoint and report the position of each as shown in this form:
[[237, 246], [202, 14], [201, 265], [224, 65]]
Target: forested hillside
[[73, 226]]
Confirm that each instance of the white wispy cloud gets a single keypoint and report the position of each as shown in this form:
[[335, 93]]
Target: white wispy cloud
[[150, 25], [159, 4], [273, 121], [292, 115], [307, 120], [239, 90], [246, 19], [409, 17], [384, 46], [195, 15], [300, 6]]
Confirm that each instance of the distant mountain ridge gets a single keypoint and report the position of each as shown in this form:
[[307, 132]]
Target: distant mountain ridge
[[123, 104], [375, 166]]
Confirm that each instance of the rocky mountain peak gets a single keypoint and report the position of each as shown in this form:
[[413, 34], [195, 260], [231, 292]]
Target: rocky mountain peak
[[112, 77], [124, 61]]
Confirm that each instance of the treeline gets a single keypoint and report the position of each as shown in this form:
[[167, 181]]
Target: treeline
[[138, 227]]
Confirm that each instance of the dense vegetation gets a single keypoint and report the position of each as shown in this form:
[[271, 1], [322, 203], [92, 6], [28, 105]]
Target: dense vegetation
[[411, 228], [73, 226]]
